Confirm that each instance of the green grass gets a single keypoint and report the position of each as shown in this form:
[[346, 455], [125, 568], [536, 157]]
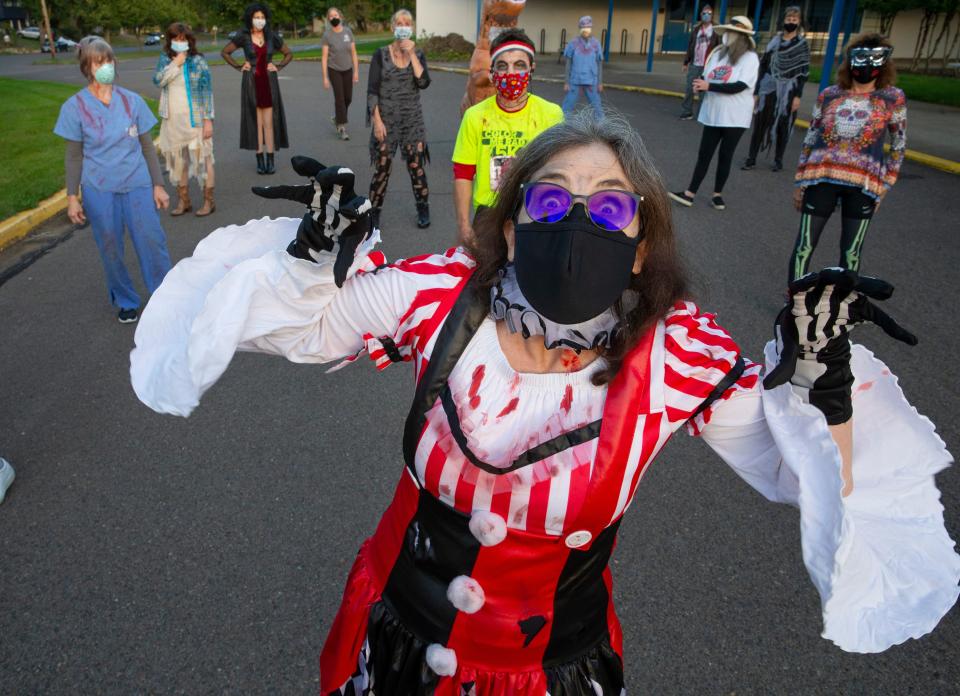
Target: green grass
[[31, 164], [926, 88]]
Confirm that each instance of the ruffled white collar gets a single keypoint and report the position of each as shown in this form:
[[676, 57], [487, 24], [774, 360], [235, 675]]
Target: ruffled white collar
[[508, 303]]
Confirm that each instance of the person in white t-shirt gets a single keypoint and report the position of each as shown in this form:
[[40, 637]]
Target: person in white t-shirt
[[728, 80]]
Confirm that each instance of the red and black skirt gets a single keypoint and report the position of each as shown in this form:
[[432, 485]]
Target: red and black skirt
[[546, 624]]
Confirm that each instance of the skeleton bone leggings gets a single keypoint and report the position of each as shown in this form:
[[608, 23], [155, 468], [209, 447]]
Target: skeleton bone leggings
[[819, 202], [414, 154]]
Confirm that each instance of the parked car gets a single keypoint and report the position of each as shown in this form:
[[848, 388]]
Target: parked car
[[63, 45], [153, 39], [29, 33]]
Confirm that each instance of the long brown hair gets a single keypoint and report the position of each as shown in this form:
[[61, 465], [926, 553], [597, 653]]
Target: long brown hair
[[662, 280], [888, 73], [734, 52], [180, 29]]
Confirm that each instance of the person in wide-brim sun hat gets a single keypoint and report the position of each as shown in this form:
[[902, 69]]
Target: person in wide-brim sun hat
[[739, 24]]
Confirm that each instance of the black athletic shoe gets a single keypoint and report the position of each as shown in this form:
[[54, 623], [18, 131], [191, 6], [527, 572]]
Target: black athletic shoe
[[686, 117], [127, 316], [681, 197], [748, 164], [777, 166], [717, 202]]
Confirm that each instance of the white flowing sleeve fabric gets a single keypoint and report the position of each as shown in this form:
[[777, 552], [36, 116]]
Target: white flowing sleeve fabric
[[241, 291], [881, 559]]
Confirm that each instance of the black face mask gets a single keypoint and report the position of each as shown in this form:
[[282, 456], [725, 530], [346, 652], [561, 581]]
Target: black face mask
[[571, 271], [864, 73], [790, 27], [335, 22]]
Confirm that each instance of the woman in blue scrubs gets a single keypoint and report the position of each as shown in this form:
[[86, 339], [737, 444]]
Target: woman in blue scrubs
[[111, 155]]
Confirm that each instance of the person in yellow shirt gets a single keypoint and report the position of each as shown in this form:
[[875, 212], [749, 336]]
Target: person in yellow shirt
[[494, 129]]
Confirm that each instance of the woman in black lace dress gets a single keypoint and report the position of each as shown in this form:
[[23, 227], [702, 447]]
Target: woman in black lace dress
[[397, 74]]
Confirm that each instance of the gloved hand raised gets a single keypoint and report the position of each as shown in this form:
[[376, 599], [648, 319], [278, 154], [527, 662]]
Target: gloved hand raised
[[335, 215], [824, 307]]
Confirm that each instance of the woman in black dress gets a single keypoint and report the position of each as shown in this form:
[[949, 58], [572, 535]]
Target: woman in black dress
[[263, 125], [397, 74]]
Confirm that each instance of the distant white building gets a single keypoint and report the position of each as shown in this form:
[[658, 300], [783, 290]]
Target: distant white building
[[551, 22]]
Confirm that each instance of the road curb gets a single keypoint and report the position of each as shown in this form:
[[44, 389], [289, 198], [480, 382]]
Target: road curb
[[20, 225], [15, 228]]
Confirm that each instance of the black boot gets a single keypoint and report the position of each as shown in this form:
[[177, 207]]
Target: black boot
[[261, 167], [423, 215], [270, 169], [777, 165], [375, 219]]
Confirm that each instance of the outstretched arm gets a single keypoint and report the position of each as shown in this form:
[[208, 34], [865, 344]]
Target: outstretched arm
[[325, 296]]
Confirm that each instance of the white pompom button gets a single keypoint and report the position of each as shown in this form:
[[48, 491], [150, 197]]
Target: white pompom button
[[441, 660], [466, 594], [488, 527], [575, 540]]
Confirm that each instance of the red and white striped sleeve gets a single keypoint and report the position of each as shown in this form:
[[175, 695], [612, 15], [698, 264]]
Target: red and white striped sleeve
[[391, 311], [698, 355], [699, 352]]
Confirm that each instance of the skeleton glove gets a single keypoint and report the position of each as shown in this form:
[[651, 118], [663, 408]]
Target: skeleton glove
[[335, 215], [812, 334]]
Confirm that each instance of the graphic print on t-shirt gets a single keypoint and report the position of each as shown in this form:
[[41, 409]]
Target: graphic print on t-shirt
[[721, 73], [503, 146]]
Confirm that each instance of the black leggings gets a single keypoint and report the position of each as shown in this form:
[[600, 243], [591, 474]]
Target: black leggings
[[414, 154], [727, 139], [819, 202], [342, 83]]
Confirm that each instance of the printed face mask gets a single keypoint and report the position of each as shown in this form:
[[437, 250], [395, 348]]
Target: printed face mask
[[585, 32], [105, 74], [864, 74], [571, 270], [402, 33], [511, 86], [179, 46], [259, 24], [335, 22]]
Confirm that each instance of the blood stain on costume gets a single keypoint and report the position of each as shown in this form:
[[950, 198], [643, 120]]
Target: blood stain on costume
[[515, 382], [478, 373], [530, 627], [520, 515], [866, 386], [567, 398], [510, 407], [570, 360]]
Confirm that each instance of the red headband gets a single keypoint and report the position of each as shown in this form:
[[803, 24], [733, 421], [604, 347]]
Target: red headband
[[511, 46]]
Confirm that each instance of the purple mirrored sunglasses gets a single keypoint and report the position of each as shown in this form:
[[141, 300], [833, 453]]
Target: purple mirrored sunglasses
[[611, 209]]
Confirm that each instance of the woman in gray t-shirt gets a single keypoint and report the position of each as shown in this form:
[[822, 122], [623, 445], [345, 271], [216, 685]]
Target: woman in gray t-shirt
[[340, 66]]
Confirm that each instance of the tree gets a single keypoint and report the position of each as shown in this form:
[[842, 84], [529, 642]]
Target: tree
[[888, 11]]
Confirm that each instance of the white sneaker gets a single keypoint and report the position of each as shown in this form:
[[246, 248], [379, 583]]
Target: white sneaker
[[6, 477]]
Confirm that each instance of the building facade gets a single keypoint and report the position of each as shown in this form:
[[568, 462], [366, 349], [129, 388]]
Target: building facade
[[550, 23]]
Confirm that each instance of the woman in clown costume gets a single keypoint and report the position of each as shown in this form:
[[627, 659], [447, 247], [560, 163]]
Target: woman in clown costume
[[543, 391]]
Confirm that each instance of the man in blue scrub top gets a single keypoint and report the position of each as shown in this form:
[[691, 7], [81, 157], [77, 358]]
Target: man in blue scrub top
[[584, 58], [111, 154]]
